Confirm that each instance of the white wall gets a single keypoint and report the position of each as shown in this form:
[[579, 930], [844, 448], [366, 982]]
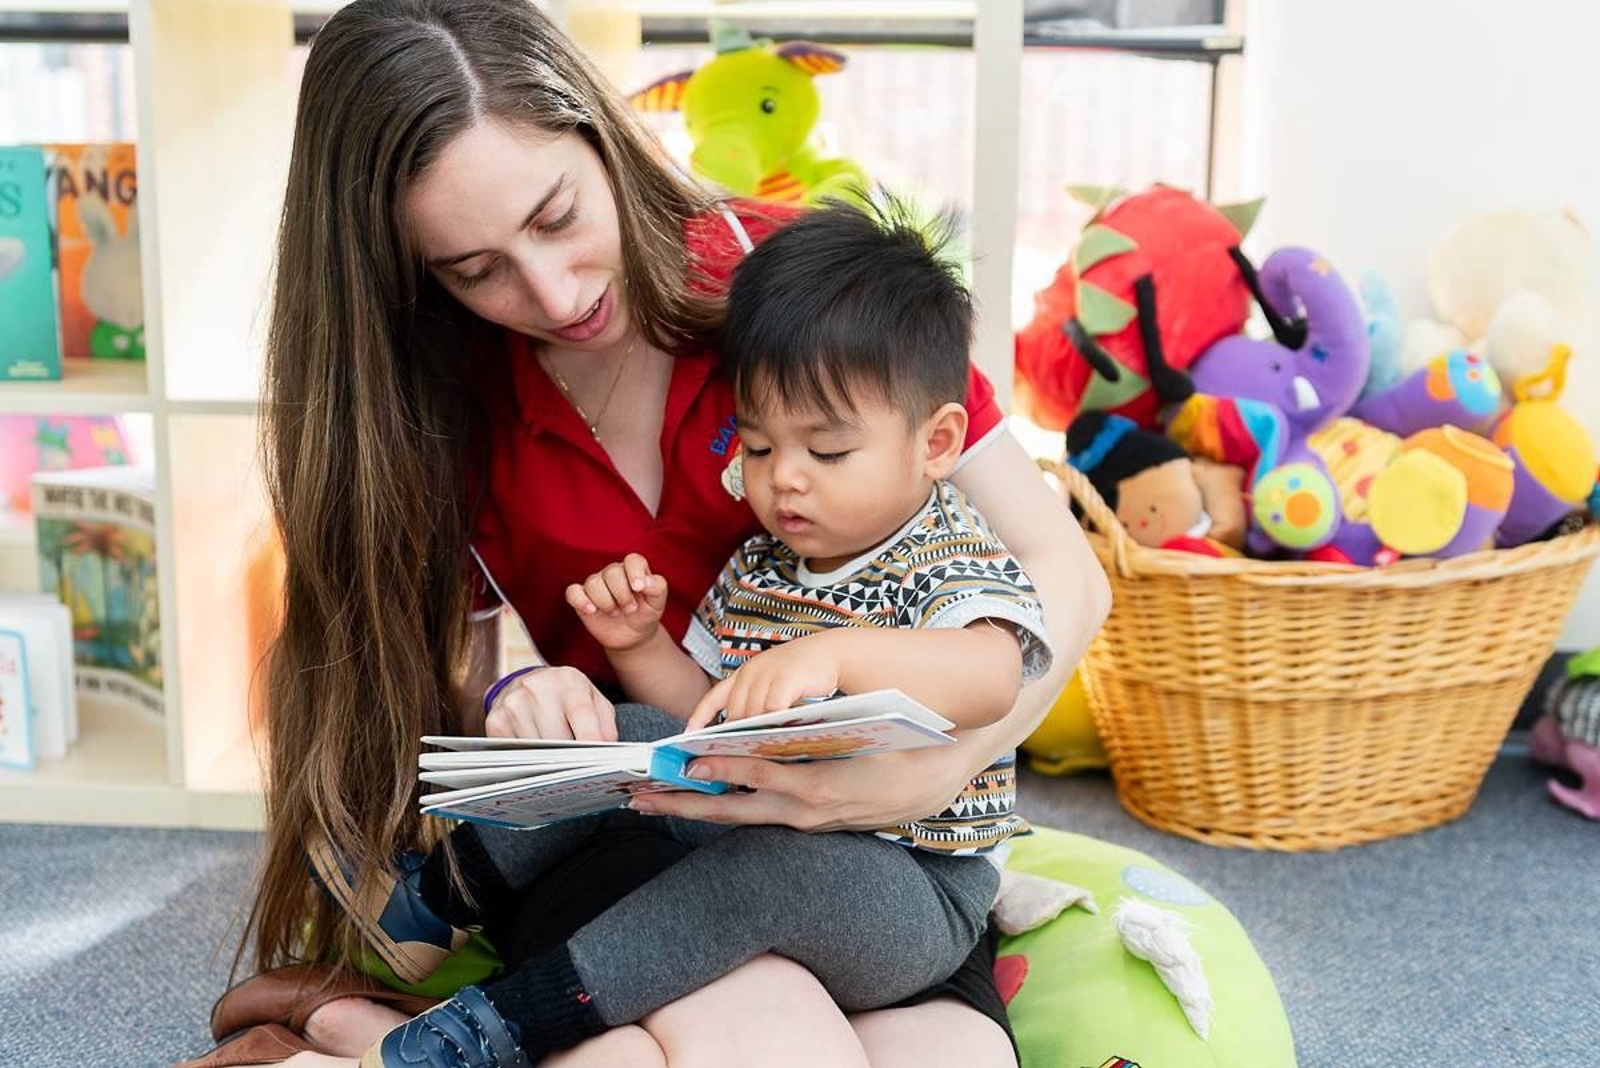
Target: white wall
[[1372, 126]]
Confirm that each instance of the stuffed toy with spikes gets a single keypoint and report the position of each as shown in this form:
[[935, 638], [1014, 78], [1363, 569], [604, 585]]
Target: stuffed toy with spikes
[[1150, 286], [750, 111]]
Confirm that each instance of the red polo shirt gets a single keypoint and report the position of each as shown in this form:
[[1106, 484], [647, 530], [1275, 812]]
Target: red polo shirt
[[557, 510]]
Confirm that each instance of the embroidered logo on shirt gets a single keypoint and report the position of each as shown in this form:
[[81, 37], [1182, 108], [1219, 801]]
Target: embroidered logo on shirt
[[723, 441]]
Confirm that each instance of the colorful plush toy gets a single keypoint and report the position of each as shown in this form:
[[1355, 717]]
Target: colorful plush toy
[[1151, 284], [1444, 495], [750, 111], [1458, 388], [1554, 458], [1568, 734], [1162, 497], [1256, 402], [1510, 285], [1066, 740], [1384, 332]]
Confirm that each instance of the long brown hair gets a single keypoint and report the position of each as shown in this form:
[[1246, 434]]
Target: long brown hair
[[365, 442]]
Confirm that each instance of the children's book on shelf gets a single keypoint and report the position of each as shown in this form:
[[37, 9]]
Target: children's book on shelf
[[95, 530], [94, 192], [30, 444], [29, 343], [520, 782], [38, 709]]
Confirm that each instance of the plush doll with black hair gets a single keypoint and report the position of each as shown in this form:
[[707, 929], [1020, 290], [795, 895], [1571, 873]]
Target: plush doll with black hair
[[1163, 497]]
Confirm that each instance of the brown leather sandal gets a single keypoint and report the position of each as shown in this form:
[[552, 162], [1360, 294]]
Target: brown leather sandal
[[268, 1043]]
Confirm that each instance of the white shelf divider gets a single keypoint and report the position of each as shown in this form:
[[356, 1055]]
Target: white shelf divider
[[997, 42]]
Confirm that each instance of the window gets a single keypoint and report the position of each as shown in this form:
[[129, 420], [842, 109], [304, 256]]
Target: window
[[66, 92]]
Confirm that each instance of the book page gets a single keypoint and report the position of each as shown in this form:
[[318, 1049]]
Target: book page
[[815, 741], [836, 710], [468, 777], [536, 802], [475, 745], [637, 753]]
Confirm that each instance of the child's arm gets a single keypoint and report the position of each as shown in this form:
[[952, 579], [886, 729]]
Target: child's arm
[[658, 672], [621, 607], [970, 675]]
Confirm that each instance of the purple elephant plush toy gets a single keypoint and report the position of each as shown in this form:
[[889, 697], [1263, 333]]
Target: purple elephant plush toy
[[1308, 374]]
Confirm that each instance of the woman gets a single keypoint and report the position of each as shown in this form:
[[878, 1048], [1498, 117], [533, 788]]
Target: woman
[[490, 370]]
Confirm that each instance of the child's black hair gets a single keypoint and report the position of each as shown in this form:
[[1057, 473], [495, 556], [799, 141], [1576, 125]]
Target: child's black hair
[[846, 299]]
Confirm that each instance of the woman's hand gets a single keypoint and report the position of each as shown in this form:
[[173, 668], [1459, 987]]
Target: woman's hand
[[860, 794], [553, 702]]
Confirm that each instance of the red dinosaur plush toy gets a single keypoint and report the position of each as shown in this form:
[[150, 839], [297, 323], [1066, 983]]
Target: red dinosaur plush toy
[[1152, 283]]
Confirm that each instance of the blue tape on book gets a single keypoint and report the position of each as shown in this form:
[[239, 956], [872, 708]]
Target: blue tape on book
[[667, 764]]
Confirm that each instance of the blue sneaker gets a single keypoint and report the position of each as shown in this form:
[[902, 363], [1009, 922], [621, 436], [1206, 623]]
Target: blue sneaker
[[464, 1032], [391, 916]]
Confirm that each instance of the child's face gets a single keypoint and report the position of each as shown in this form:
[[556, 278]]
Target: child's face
[[833, 485]]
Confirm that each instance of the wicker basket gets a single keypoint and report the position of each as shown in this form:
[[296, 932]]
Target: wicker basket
[[1301, 706]]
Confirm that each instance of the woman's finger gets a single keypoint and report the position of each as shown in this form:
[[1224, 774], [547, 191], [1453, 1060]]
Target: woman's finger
[[606, 713], [512, 716], [550, 719], [777, 797], [582, 719]]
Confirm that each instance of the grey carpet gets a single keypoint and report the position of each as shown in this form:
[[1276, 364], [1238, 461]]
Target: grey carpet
[[1474, 944]]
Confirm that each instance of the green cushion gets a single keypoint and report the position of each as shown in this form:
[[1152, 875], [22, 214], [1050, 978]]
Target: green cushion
[[1087, 1000]]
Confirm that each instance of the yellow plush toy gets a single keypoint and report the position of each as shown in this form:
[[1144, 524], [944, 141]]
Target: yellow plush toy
[[1553, 455], [1066, 741]]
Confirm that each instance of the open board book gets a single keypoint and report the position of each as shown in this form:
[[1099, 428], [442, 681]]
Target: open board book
[[519, 782]]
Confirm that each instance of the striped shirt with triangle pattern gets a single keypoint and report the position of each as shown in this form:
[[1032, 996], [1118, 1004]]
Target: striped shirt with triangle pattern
[[944, 569]]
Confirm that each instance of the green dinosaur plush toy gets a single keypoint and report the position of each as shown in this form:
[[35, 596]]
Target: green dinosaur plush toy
[[750, 111]]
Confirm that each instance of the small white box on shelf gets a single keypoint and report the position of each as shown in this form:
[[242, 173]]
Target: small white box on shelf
[[38, 707]]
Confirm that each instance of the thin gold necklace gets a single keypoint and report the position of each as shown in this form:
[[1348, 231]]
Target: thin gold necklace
[[566, 390]]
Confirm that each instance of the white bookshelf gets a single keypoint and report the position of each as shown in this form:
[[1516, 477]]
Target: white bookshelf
[[87, 387], [216, 82]]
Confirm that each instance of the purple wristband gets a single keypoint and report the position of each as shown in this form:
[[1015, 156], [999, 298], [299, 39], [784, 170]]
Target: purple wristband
[[506, 680]]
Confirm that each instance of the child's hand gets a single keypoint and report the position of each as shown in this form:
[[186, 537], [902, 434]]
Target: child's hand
[[622, 604], [776, 679]]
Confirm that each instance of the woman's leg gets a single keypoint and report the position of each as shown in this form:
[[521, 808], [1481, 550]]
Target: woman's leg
[[622, 1047], [770, 1012], [944, 1033]]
